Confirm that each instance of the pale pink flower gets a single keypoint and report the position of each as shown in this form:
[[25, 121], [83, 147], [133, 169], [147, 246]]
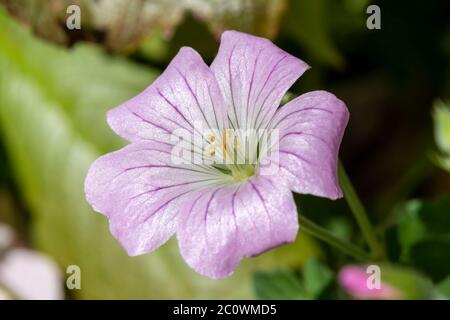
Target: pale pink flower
[[219, 214]]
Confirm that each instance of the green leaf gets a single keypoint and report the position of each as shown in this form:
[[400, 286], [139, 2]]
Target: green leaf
[[441, 117], [285, 284], [442, 126], [52, 121], [443, 287], [316, 278], [411, 229], [278, 285], [307, 22], [424, 236], [412, 285]]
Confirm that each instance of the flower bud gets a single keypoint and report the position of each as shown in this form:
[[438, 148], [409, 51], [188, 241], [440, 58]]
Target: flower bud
[[385, 282]]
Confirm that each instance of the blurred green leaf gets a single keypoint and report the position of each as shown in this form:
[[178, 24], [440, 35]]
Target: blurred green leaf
[[442, 126], [52, 120], [443, 287], [340, 226], [307, 23], [316, 277], [155, 48], [285, 284], [411, 284], [424, 236], [356, 5], [441, 117], [278, 285]]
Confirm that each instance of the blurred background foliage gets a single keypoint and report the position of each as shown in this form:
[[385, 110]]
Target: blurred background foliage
[[56, 85]]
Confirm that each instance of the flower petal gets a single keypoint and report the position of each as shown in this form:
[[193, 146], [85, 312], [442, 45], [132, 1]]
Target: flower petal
[[310, 132], [31, 275], [220, 226], [185, 95], [253, 75], [140, 190]]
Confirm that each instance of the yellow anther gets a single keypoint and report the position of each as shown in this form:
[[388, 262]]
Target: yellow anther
[[211, 138]]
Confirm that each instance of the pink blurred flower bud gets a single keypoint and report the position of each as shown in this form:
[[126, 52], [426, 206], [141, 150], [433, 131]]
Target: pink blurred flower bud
[[357, 281]]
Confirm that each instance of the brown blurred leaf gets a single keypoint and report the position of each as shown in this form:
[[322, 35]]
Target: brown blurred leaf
[[259, 17], [123, 25]]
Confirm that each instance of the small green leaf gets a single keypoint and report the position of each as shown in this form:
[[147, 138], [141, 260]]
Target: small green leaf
[[411, 284], [441, 118], [443, 287], [285, 284], [424, 236], [316, 278], [278, 285], [411, 228], [442, 126]]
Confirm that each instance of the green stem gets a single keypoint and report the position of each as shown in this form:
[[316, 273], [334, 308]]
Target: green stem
[[360, 214], [317, 231]]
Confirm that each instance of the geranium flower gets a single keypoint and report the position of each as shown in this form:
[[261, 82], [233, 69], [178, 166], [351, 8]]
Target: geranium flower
[[220, 213]]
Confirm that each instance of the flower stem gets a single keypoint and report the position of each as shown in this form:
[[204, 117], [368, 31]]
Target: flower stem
[[317, 231], [360, 214]]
